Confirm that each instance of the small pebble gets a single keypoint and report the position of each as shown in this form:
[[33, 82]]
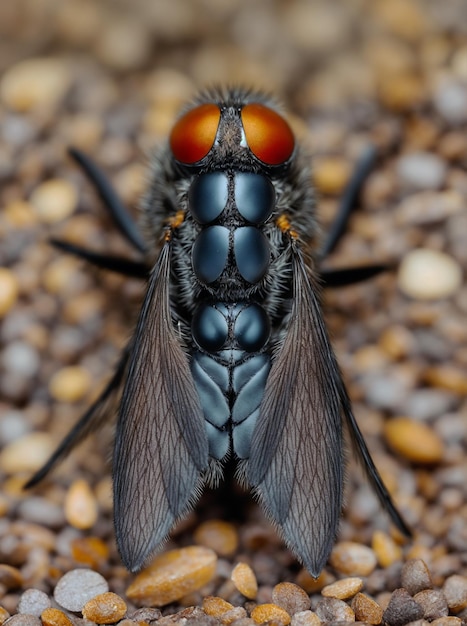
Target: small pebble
[[421, 170], [215, 606], [429, 275], [54, 200], [90, 551], [386, 549], [55, 617], [415, 441], [8, 290], [10, 577], [305, 618], [24, 620], [446, 377], [173, 575], [4, 615], [353, 559], [366, 609], [415, 576], [343, 589], [244, 580], [236, 614], [70, 384], [218, 535], [77, 587], [450, 100], [433, 602], [26, 454], [330, 175], [33, 602], [291, 598], [263, 613], [447, 621], [33, 83], [455, 592], [21, 359], [334, 610], [80, 505], [105, 608], [402, 609]]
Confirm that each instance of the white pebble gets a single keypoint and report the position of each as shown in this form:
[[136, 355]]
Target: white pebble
[[450, 100], [429, 275], [421, 170], [77, 587], [21, 359], [33, 602]]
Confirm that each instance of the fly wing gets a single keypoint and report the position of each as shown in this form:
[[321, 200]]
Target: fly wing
[[296, 459], [161, 444]]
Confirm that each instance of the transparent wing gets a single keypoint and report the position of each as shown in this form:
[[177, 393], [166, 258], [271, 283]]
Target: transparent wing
[[161, 445], [296, 460]]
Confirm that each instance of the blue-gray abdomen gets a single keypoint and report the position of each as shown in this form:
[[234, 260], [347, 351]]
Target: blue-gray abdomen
[[232, 363]]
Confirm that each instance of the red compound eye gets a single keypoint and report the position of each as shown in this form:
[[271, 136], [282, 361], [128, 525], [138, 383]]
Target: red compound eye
[[268, 135], [193, 135]]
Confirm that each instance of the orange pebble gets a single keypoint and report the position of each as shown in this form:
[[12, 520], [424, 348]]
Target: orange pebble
[[218, 535], [270, 613], [105, 608], [55, 617], [244, 580], [173, 575]]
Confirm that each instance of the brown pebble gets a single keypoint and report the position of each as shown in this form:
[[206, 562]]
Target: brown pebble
[[55, 617], [213, 605], [90, 551], [305, 618], [291, 597], [313, 585], [218, 535], [27, 453], [413, 440], [38, 82], [106, 608], [415, 576], [4, 615], [270, 613], [353, 559], [9, 290], [386, 549], [433, 602], [70, 384], [244, 580], [455, 591], [10, 577], [402, 608], [54, 200], [343, 589], [80, 505], [366, 609], [173, 575], [331, 174], [77, 587], [446, 377], [334, 610], [447, 621]]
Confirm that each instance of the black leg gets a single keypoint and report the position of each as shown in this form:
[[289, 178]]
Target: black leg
[[351, 275], [349, 201], [127, 267], [112, 202]]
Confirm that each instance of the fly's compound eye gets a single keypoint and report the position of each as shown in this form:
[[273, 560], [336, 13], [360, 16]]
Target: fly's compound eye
[[268, 135], [194, 134]]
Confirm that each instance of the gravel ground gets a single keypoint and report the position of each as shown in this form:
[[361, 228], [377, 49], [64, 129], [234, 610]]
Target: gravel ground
[[108, 77]]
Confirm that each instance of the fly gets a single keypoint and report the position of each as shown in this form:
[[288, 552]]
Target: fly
[[230, 356]]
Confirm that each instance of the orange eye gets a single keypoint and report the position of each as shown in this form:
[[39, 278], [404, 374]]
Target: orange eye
[[268, 135], [193, 135]]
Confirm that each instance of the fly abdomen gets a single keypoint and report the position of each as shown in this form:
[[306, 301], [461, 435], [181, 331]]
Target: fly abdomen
[[231, 367], [230, 372]]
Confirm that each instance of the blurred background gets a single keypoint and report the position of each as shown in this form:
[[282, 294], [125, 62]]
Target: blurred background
[[109, 77]]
